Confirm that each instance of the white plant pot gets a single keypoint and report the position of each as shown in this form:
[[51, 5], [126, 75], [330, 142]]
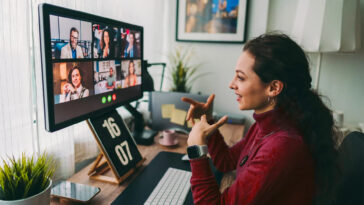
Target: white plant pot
[[43, 198]]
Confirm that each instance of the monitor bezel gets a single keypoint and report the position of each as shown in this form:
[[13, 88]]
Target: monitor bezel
[[45, 10]]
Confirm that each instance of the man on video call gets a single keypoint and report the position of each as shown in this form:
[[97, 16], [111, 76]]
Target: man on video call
[[71, 49], [110, 81]]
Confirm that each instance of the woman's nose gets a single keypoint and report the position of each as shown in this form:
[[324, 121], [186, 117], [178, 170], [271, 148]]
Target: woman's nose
[[232, 85]]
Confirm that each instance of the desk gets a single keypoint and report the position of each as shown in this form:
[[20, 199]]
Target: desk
[[110, 191]]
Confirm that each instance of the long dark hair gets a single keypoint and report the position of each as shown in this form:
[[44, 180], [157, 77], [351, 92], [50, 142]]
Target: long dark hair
[[131, 62], [277, 57], [134, 42], [102, 41]]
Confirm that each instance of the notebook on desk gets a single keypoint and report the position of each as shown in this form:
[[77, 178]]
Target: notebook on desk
[[143, 185]]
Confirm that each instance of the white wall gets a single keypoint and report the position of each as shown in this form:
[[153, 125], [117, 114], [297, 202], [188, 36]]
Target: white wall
[[218, 60], [341, 74]]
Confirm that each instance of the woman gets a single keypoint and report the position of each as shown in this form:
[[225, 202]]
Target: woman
[[289, 154], [131, 49], [106, 46], [74, 88], [131, 79]]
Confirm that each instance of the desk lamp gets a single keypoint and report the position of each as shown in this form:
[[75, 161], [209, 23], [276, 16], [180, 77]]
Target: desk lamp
[[327, 26]]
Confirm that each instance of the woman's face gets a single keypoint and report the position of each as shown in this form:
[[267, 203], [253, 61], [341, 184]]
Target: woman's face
[[106, 38], [248, 87], [131, 38], [76, 78], [131, 68]]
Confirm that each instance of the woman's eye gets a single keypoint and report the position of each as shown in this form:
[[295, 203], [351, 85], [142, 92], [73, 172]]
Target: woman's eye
[[240, 78]]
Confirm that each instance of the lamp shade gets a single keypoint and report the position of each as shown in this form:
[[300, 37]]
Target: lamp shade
[[327, 25]]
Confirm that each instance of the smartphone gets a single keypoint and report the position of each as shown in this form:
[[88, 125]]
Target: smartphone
[[74, 192]]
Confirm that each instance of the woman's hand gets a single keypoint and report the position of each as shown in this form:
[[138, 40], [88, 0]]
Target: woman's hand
[[201, 130], [197, 109], [68, 88]]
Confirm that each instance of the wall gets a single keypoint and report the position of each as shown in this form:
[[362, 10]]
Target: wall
[[341, 74], [218, 60]]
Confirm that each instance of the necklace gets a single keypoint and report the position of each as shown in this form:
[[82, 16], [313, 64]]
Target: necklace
[[245, 159]]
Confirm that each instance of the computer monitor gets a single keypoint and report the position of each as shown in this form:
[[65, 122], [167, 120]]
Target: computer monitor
[[90, 64]]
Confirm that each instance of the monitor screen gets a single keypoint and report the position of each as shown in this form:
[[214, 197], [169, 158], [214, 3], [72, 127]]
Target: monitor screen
[[90, 64]]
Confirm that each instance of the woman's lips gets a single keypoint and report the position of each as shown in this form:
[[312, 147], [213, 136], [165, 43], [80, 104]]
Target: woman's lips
[[238, 97]]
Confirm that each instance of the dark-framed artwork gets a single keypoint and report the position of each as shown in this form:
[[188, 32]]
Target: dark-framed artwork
[[214, 21]]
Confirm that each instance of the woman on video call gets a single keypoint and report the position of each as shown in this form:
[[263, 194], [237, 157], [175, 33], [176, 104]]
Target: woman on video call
[[107, 49], [288, 156], [131, 49], [132, 78], [74, 88]]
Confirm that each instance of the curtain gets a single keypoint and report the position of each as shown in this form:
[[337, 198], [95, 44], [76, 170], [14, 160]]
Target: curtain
[[21, 100], [16, 126]]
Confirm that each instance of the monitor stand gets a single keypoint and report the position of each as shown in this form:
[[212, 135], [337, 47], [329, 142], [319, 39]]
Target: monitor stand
[[141, 135]]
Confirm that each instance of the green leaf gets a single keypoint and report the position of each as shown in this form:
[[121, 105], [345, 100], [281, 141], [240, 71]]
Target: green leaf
[[182, 71], [24, 177]]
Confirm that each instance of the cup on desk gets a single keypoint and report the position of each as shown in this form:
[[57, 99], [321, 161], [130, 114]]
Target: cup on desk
[[169, 138]]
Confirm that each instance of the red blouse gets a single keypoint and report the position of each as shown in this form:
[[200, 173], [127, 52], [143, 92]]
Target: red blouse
[[279, 169]]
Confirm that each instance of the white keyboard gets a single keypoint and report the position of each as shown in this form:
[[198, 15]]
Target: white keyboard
[[172, 188]]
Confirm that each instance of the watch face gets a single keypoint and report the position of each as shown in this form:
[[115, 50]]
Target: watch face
[[193, 152]]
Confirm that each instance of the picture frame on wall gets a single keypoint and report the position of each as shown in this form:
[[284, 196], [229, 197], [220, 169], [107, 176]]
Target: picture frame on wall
[[212, 21]]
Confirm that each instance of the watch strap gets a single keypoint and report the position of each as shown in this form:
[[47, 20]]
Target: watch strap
[[203, 150]]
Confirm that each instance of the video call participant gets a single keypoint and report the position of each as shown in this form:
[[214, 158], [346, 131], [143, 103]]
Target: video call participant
[[72, 49], [131, 79], [124, 42], [131, 48], [74, 88], [289, 154], [106, 45], [110, 81]]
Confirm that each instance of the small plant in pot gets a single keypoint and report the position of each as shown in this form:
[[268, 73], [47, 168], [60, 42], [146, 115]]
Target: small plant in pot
[[26, 180], [183, 72]]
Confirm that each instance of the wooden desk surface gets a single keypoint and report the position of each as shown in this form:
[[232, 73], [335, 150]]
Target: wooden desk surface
[[110, 191]]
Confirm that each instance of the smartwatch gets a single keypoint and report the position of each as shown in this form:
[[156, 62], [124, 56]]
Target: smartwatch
[[197, 151]]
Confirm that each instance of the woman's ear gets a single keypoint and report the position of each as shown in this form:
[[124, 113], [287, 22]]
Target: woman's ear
[[275, 87]]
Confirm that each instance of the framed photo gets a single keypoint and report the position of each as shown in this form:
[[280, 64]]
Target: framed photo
[[216, 21]]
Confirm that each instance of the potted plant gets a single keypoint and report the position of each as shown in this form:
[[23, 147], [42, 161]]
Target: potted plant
[[183, 72], [26, 180]]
